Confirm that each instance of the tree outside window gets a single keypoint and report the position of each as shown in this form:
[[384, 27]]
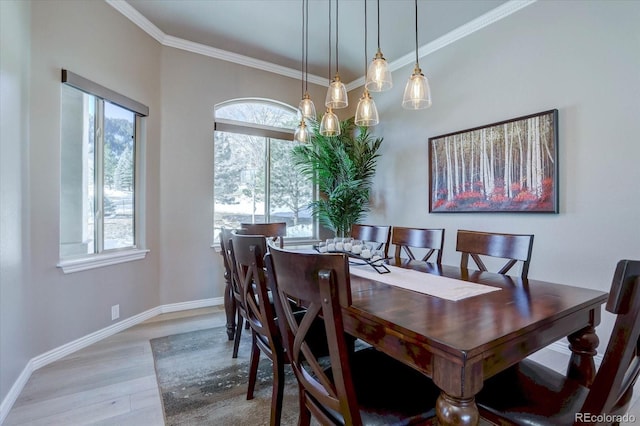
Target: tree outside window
[[254, 180]]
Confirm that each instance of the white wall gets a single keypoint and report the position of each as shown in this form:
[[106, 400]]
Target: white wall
[[42, 308], [581, 57], [14, 195]]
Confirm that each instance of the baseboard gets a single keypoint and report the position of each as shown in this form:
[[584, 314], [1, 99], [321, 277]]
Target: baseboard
[[60, 352]]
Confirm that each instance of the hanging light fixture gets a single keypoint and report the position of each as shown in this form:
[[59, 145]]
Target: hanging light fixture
[[330, 125], [366, 112], [301, 134], [417, 94], [337, 93], [306, 106], [378, 74]]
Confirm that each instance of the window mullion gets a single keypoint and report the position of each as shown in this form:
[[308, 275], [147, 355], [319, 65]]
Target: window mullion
[[267, 182], [99, 177]]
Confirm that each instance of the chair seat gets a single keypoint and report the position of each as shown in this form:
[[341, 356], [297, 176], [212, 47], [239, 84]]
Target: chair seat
[[374, 374], [531, 394]]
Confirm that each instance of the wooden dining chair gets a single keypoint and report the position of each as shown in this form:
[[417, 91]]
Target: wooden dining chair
[[514, 247], [530, 393], [235, 287], [275, 231], [404, 239], [356, 387], [374, 234], [247, 251], [229, 299]]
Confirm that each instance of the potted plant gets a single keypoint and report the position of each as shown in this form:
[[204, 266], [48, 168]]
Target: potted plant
[[343, 167]]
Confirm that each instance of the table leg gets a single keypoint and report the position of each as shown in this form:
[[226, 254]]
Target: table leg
[[583, 346], [457, 411], [229, 307]]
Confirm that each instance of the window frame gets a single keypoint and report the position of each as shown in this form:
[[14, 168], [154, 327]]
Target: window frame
[[106, 257], [269, 133]]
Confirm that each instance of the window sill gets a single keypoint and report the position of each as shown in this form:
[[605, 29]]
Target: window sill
[[99, 260]]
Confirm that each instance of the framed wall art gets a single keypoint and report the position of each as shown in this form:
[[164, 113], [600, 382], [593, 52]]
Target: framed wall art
[[509, 166]]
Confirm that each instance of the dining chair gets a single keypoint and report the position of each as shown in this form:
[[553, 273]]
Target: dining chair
[[235, 286], [247, 251], [406, 238], [374, 234], [531, 393], [275, 231], [357, 387], [514, 247], [229, 299]]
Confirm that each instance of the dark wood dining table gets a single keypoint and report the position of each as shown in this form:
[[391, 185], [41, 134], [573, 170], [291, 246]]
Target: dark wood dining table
[[461, 343]]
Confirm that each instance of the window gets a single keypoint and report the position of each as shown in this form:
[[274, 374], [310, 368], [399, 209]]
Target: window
[[254, 179], [99, 143]]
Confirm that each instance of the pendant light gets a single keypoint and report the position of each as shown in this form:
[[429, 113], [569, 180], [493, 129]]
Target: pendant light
[[417, 94], [302, 132], [301, 135], [306, 106], [330, 125], [378, 74], [337, 93], [366, 112]]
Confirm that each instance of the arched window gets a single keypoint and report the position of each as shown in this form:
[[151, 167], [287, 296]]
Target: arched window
[[254, 179]]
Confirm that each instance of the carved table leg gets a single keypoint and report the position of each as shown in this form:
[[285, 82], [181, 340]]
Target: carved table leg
[[457, 411], [583, 346], [229, 307]]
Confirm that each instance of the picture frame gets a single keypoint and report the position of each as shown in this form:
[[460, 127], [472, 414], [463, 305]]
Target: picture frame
[[508, 166]]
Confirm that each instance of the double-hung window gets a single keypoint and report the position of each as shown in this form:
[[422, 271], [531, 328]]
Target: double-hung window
[[254, 178], [100, 138]]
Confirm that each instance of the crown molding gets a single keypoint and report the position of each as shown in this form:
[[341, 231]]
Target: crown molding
[[236, 58], [470, 27], [137, 18], [462, 31]]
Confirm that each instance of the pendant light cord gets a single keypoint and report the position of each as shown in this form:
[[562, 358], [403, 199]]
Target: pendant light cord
[[302, 56], [365, 11], [337, 67], [306, 47], [329, 41], [416, 2], [365, 38]]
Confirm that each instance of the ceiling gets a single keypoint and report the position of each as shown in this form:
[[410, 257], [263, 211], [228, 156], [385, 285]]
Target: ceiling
[[268, 33]]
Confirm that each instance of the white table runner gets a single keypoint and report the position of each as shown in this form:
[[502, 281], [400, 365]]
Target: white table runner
[[434, 285]]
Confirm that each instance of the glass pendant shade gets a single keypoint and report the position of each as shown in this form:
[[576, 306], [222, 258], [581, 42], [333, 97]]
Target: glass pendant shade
[[302, 132], [378, 74], [330, 125], [366, 112], [337, 94], [417, 94], [307, 108]]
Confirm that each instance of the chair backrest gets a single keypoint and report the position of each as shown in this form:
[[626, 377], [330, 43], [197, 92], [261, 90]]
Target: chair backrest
[[515, 247], [321, 282], [613, 385], [374, 234], [230, 267], [225, 236], [276, 231], [406, 238], [247, 251]]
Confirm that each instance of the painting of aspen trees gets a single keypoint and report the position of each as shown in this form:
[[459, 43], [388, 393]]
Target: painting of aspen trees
[[510, 166]]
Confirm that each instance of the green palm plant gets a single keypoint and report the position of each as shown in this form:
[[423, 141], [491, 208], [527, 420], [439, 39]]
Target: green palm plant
[[343, 168]]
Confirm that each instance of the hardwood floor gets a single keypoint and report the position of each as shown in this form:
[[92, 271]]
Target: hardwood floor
[[113, 382]]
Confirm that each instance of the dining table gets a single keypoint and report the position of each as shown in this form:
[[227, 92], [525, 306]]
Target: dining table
[[461, 326]]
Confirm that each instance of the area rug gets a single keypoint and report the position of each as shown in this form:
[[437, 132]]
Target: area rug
[[201, 384]]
